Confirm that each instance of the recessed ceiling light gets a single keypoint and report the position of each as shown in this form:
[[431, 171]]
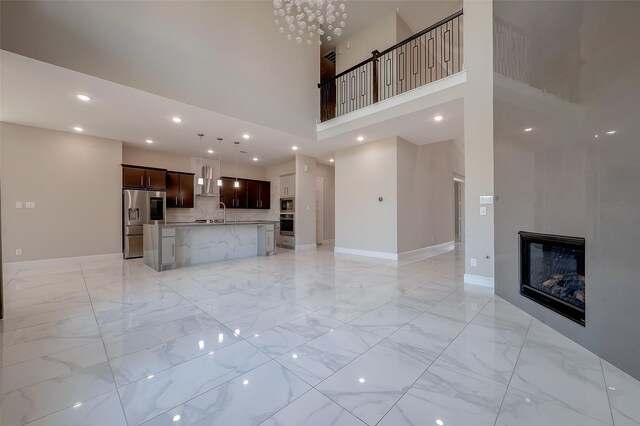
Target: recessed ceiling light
[[245, 382], [295, 148], [438, 118], [150, 376], [83, 98], [439, 422], [361, 380], [149, 141], [246, 135], [78, 404], [176, 418], [177, 119], [331, 160], [210, 151], [528, 129], [596, 135], [255, 158], [611, 132], [78, 129], [360, 138]]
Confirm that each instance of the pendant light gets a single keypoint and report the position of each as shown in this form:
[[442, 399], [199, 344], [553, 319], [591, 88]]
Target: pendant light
[[201, 178], [219, 182], [236, 184]]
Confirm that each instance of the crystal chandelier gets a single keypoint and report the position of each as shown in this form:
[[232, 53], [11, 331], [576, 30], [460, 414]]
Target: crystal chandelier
[[310, 20]]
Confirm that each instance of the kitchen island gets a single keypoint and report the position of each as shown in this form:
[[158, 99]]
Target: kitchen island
[[174, 245]]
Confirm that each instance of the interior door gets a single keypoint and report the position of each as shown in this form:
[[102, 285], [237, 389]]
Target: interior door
[[186, 191], [156, 179], [319, 210], [133, 177]]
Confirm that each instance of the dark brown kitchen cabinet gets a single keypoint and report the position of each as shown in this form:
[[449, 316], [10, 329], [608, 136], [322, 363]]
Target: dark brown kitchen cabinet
[[252, 194], [156, 179], [132, 177], [142, 177], [180, 190], [258, 194], [232, 197]]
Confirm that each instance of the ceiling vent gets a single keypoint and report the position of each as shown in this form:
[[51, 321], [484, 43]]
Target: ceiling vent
[[331, 56]]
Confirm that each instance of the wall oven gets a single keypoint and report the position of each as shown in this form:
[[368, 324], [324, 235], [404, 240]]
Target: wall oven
[[287, 224], [287, 205]]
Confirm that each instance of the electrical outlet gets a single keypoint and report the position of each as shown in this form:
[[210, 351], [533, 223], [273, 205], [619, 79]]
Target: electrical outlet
[[30, 204], [18, 252], [483, 211], [474, 261], [18, 204]]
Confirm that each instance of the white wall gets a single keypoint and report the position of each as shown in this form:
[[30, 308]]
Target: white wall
[[380, 34], [327, 173], [425, 193], [362, 174], [403, 31], [224, 56], [305, 216], [478, 130], [74, 180]]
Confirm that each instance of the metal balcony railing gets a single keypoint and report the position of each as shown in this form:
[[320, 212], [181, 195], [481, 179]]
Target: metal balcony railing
[[425, 57]]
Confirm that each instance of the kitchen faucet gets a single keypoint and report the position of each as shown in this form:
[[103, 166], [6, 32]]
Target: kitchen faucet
[[224, 211]]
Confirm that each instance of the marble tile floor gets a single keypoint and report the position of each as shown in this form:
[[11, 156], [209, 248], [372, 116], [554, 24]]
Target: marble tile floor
[[302, 338]]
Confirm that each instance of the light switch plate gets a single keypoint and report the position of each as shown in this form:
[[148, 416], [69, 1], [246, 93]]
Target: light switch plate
[[18, 252], [474, 262], [18, 204], [486, 199], [483, 211], [30, 204]]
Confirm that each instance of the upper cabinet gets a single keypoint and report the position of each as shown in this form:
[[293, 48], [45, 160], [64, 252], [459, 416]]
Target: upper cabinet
[[288, 185], [250, 194], [180, 190], [144, 178], [258, 194]]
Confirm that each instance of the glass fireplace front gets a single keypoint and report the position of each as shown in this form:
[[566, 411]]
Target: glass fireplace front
[[552, 272]]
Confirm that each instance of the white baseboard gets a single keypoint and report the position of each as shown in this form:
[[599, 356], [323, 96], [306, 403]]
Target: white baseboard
[[480, 280], [306, 246], [426, 252], [421, 253], [12, 268], [366, 253], [328, 241]]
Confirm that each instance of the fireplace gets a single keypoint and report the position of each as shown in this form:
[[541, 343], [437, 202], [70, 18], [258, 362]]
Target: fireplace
[[552, 273]]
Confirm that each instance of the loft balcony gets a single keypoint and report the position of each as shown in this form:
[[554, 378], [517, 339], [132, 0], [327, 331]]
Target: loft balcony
[[429, 56]]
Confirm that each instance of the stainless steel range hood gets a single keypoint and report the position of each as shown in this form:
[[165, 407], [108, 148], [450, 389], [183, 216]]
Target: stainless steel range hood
[[209, 188]]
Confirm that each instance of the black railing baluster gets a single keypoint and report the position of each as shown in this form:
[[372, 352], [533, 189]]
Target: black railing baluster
[[421, 59]]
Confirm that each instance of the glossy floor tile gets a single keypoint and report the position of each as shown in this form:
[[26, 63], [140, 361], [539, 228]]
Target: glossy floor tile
[[301, 338]]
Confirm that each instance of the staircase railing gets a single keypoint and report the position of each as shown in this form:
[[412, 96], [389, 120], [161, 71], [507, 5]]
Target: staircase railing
[[423, 58]]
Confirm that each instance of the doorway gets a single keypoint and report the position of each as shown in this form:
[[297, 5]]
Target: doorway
[[458, 200], [319, 210]]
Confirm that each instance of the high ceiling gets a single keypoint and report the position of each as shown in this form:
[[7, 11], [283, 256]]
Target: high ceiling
[[221, 78]]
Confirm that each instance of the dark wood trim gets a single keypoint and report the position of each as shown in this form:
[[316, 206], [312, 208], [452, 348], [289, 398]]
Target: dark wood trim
[[182, 173], [134, 166]]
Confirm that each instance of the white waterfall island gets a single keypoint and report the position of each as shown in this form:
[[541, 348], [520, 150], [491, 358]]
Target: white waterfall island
[[174, 245]]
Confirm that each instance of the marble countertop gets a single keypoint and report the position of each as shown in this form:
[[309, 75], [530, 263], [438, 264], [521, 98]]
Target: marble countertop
[[228, 223]]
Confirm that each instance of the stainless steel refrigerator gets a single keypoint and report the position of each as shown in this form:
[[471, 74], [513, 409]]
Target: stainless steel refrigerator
[[139, 208]]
